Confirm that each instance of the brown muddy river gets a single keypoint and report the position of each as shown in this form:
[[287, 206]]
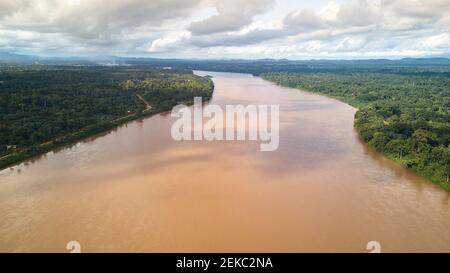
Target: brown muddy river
[[136, 189]]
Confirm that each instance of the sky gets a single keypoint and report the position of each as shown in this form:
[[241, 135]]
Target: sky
[[320, 29]]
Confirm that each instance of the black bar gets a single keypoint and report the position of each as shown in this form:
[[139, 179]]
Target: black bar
[[227, 262]]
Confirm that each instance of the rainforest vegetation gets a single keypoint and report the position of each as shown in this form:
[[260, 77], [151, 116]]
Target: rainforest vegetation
[[43, 107]]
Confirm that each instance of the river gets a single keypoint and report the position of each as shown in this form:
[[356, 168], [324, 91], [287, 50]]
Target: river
[[136, 189]]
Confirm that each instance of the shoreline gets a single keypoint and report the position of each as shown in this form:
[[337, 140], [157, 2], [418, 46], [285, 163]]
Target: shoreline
[[87, 132], [63, 141], [356, 105]]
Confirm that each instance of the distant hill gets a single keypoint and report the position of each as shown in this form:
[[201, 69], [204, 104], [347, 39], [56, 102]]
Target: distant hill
[[6, 57]]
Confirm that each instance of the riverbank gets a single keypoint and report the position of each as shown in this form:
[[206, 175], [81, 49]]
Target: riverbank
[[89, 131], [373, 124], [46, 107]]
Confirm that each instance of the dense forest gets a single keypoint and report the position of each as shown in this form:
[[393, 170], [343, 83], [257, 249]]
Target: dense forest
[[43, 107], [407, 66], [406, 117]]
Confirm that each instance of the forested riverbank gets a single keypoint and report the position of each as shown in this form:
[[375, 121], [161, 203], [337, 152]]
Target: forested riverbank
[[45, 107], [405, 117]]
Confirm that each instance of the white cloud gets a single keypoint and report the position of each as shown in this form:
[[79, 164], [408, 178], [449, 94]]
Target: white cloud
[[169, 42], [305, 20], [231, 16], [441, 41], [359, 13], [233, 28]]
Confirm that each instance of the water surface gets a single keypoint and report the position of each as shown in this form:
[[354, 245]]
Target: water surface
[[135, 189]]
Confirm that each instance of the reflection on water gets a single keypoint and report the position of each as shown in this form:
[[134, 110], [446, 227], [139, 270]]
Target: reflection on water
[[135, 189]]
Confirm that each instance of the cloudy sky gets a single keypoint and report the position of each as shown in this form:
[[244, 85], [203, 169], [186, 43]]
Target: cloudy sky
[[227, 28]]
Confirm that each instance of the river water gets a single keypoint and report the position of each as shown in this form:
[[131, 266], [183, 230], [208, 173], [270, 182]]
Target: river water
[[136, 189]]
